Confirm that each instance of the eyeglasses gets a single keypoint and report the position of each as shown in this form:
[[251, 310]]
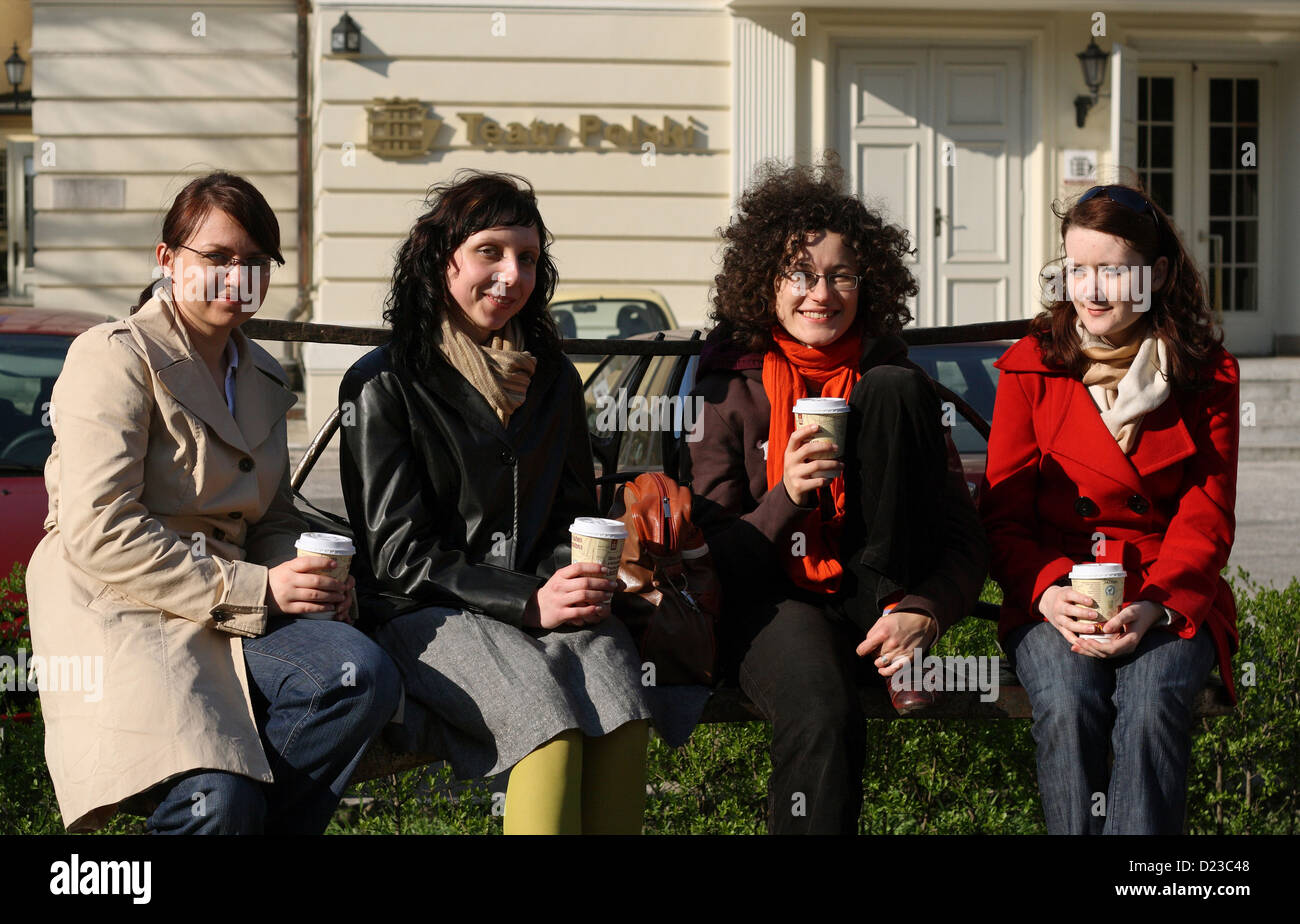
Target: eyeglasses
[[223, 261], [1133, 201], [841, 282]]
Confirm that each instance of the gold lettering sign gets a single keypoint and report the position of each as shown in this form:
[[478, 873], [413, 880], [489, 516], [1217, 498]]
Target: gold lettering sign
[[592, 132], [400, 127]]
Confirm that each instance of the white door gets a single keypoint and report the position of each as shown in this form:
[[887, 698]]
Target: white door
[[934, 138], [1206, 155]]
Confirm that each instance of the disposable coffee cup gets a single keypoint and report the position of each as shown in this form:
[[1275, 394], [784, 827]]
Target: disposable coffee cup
[[330, 545], [1104, 583], [600, 540], [831, 415]]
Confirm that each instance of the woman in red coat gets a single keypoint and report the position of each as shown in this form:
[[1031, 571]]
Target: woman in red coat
[[1115, 440]]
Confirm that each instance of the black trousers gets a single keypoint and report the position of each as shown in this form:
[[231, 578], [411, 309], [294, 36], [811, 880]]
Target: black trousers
[[793, 652]]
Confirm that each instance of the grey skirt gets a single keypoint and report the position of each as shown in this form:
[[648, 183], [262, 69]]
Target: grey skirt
[[481, 694]]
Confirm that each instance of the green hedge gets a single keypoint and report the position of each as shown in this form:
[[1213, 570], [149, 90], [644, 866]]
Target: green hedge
[[923, 776]]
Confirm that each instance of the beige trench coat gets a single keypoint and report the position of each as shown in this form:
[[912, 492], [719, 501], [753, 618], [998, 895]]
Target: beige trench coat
[[165, 513]]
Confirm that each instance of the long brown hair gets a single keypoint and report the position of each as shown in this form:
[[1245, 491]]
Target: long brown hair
[[470, 202], [782, 205], [228, 193], [1180, 315]]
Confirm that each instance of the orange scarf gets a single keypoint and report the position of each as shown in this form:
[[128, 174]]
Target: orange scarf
[[787, 369]]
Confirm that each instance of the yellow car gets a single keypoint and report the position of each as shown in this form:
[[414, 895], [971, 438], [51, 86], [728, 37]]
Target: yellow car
[[614, 313]]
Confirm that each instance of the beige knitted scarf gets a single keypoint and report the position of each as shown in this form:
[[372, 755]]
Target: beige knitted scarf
[[499, 370], [1128, 378]]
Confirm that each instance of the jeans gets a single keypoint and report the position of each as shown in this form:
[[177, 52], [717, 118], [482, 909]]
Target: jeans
[[320, 691], [1140, 706]]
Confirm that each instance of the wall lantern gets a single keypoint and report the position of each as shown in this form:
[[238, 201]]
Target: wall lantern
[[15, 66], [345, 38], [1093, 61]]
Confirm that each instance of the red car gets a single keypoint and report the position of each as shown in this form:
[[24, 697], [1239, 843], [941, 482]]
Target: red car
[[33, 345]]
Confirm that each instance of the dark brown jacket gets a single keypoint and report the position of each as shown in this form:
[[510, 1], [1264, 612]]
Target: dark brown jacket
[[748, 527]]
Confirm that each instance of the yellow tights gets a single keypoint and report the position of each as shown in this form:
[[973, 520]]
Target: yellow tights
[[573, 784]]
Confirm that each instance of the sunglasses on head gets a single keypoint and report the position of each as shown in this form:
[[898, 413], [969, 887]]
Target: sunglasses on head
[[1133, 201]]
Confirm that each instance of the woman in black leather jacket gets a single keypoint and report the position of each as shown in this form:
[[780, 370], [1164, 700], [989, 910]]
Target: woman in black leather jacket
[[467, 462]]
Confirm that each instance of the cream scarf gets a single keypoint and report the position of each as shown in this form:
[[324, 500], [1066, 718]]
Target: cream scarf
[[499, 370], [1128, 378]]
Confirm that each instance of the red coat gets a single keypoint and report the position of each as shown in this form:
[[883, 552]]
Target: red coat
[[1056, 478]]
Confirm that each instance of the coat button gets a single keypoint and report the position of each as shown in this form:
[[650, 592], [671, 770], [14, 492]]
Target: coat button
[[245, 464], [234, 515], [1139, 504], [507, 457], [1086, 507]]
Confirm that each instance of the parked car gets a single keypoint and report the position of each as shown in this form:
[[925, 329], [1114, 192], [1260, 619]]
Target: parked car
[[658, 386], [616, 313], [33, 346]]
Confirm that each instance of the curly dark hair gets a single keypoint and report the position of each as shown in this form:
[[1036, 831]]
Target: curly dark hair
[[470, 202], [779, 208], [1180, 315]]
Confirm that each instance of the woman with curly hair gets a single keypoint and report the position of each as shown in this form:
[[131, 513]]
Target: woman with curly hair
[[468, 462], [1115, 438], [832, 566]]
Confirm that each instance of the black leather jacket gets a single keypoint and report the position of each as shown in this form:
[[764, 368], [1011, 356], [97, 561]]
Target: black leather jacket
[[450, 508]]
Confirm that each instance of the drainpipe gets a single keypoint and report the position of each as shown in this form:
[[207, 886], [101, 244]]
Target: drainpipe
[[302, 309]]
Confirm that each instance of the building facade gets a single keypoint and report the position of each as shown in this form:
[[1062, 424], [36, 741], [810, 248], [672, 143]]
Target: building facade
[[638, 121]]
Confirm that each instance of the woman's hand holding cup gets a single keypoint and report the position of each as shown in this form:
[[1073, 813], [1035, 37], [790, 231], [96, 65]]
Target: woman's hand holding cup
[[1072, 613], [577, 594], [322, 566], [804, 475], [1130, 624], [299, 588]]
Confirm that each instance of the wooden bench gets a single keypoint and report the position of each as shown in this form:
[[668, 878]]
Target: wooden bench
[[726, 704]]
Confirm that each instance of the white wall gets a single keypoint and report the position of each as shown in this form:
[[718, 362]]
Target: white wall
[[615, 220], [129, 99]]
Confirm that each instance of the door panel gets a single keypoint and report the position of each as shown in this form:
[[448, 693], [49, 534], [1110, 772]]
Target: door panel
[[979, 145], [934, 137], [885, 143], [976, 205]]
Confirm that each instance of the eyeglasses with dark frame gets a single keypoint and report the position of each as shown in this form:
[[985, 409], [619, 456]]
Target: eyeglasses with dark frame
[[841, 282], [223, 261]]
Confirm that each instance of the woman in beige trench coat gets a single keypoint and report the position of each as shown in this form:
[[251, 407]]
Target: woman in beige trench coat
[[181, 677]]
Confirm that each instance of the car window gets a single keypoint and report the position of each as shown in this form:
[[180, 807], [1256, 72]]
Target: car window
[[601, 387], [967, 372], [650, 414], [606, 319], [29, 365]]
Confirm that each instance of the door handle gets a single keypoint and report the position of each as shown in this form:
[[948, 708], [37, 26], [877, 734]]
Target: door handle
[[939, 219]]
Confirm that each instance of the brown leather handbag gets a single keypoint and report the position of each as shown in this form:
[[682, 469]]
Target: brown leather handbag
[[672, 598]]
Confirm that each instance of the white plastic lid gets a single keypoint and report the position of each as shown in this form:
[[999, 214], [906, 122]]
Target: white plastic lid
[[326, 544], [821, 406], [599, 528], [1096, 571]]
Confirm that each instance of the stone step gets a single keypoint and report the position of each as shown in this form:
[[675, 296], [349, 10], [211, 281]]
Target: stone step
[[1272, 385], [1268, 453]]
